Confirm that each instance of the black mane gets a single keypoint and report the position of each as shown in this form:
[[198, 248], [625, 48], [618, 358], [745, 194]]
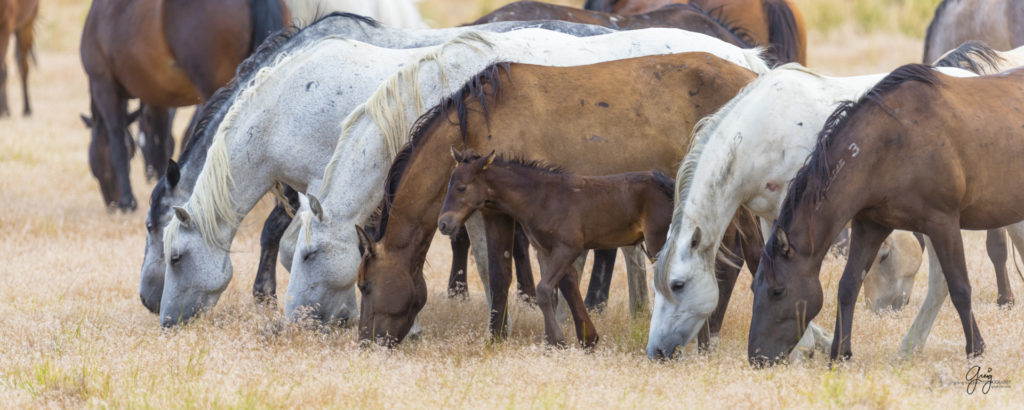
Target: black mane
[[972, 56], [782, 31], [474, 89], [818, 165]]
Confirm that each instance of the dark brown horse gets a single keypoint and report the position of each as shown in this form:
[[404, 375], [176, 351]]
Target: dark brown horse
[[167, 53], [563, 214], [921, 151], [777, 24], [17, 17], [577, 117]]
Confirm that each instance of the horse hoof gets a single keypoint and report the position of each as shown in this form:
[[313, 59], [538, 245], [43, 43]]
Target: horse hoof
[[127, 205]]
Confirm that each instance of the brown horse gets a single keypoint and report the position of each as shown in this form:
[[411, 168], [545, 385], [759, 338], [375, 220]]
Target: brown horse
[[777, 24], [563, 214], [997, 23], [684, 17], [167, 53], [921, 151], [577, 117], [17, 17]]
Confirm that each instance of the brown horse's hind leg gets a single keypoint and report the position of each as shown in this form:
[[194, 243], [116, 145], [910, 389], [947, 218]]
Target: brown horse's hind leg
[[866, 237], [995, 244], [99, 159], [500, 232], [569, 284], [950, 250], [24, 37], [113, 108]]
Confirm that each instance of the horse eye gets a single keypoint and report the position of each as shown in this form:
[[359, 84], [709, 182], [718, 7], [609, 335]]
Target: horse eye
[[461, 188], [777, 292], [309, 255], [175, 259], [678, 286], [149, 226]]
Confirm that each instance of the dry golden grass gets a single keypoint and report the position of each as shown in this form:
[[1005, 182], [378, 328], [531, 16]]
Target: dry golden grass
[[73, 333]]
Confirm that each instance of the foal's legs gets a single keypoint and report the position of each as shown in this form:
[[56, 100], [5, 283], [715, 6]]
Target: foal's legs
[[865, 239], [995, 244], [586, 333], [24, 37], [555, 264], [113, 107], [264, 288], [524, 272], [500, 233], [950, 250]]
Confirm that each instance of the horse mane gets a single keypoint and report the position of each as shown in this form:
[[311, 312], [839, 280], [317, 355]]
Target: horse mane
[[386, 106], [973, 56], [931, 26], [741, 34], [818, 165], [782, 30], [474, 89]]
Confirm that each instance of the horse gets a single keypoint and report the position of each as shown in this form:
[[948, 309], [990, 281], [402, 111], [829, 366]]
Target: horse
[[154, 136], [774, 23], [979, 58], [373, 120], [913, 116], [580, 120], [160, 31], [997, 23], [17, 17], [887, 286], [563, 215], [393, 13], [710, 188]]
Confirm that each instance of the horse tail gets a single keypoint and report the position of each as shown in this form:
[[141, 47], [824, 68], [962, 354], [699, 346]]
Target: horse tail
[[785, 33], [267, 17]]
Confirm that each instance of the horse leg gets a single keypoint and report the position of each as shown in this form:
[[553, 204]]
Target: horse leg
[[264, 288], [113, 107], [569, 285], [23, 38], [950, 250], [636, 277], [865, 239], [478, 238], [524, 272], [726, 273], [500, 233], [937, 292], [5, 34], [600, 279], [555, 264], [460, 258], [995, 244], [99, 159]]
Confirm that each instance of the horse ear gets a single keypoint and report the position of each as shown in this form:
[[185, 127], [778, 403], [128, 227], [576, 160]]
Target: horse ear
[[457, 155], [315, 207], [86, 120], [782, 241], [173, 173], [490, 159], [183, 216], [365, 243], [695, 240]]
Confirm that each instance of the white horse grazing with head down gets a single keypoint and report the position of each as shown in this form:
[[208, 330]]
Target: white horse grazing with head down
[[394, 13], [290, 108], [326, 259], [304, 94], [743, 155]]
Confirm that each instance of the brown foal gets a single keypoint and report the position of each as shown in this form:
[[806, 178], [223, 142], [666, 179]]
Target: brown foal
[[563, 214]]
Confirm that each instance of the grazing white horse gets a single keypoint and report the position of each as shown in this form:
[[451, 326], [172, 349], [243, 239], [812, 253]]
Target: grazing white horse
[[888, 283], [297, 98], [394, 13], [743, 155], [326, 259], [242, 164]]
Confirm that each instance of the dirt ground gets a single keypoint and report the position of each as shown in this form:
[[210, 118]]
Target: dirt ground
[[73, 332]]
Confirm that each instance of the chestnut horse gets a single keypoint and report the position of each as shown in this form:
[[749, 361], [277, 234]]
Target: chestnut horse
[[997, 23], [578, 119], [777, 24], [17, 17], [167, 54], [966, 130], [563, 214]]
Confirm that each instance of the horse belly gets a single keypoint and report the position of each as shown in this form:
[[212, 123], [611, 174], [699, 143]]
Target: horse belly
[[161, 83]]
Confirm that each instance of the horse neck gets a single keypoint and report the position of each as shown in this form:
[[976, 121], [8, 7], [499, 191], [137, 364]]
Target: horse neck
[[522, 192], [357, 172]]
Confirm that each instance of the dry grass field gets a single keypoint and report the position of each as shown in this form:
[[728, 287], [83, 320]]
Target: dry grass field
[[74, 334]]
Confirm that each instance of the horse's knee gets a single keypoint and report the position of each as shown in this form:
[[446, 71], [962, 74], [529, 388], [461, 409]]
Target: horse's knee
[[546, 295]]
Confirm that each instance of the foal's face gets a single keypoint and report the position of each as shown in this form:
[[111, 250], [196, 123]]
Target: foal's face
[[467, 192], [787, 295]]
